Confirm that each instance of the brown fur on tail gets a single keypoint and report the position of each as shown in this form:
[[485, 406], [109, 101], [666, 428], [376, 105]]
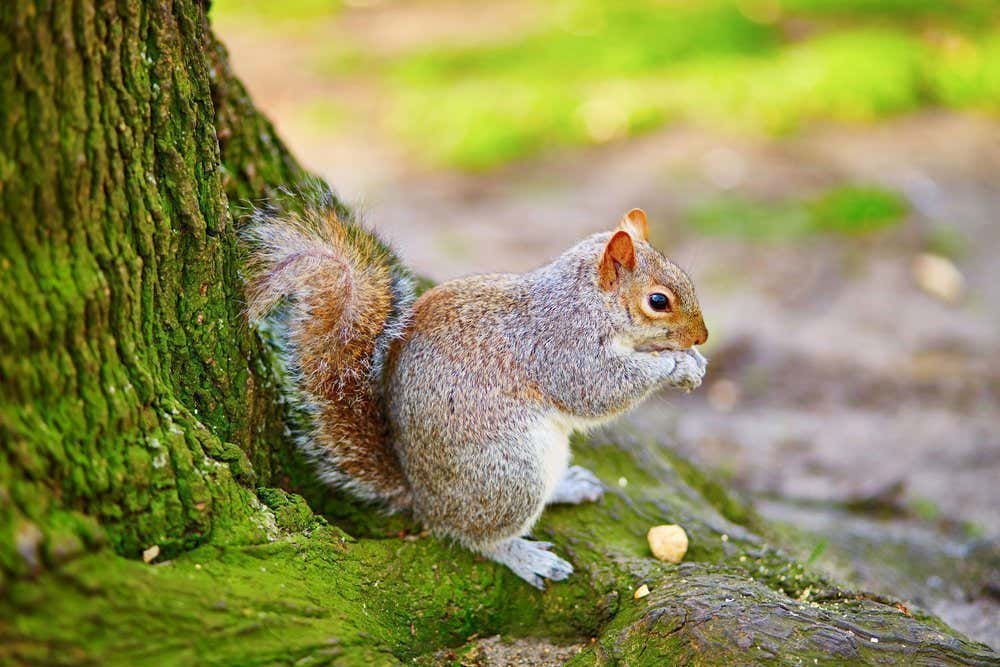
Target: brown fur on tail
[[343, 298]]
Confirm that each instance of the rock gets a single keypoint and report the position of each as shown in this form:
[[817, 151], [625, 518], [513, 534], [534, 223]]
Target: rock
[[939, 277], [641, 592], [150, 554], [668, 543]]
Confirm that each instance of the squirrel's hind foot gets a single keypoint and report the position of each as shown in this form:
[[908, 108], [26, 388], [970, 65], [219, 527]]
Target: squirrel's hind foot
[[530, 560], [578, 485]]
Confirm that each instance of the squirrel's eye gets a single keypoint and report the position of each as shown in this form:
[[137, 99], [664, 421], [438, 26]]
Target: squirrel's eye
[[659, 301]]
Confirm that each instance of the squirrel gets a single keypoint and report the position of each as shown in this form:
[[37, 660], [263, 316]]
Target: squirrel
[[457, 406]]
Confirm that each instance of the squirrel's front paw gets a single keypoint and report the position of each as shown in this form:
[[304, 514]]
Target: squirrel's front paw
[[689, 369], [577, 486]]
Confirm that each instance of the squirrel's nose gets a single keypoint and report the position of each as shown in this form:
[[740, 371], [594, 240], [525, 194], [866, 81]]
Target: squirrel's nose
[[702, 337]]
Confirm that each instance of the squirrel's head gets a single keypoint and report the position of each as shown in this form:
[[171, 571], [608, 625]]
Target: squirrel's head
[[656, 296]]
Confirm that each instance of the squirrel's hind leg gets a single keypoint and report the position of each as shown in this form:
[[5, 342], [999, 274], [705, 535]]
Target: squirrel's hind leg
[[578, 485], [530, 560]]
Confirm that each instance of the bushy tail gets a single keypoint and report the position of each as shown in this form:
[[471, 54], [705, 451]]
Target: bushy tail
[[342, 297]]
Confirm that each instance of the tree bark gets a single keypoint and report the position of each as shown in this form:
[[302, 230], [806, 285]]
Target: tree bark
[[138, 412], [128, 371]]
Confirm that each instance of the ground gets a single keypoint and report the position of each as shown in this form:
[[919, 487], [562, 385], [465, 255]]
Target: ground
[[856, 408]]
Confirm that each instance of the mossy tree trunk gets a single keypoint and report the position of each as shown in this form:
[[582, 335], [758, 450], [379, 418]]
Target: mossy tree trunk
[[127, 371], [137, 410]]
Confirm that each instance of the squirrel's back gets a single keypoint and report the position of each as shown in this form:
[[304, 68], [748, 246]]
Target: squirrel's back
[[340, 297]]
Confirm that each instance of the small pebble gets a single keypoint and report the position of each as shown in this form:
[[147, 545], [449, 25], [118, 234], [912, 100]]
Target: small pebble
[[668, 543], [641, 592], [939, 277], [150, 554]]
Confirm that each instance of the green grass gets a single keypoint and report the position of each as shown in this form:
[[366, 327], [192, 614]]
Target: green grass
[[631, 69], [856, 210], [269, 13], [590, 76], [925, 508], [849, 210], [946, 241], [324, 115], [593, 71], [960, 11]]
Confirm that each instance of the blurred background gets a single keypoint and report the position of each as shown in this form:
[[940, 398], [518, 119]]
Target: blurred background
[[827, 170]]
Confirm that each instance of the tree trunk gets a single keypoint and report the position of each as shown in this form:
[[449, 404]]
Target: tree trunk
[[128, 372], [139, 413]]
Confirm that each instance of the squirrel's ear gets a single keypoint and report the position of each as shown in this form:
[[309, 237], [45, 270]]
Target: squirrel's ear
[[634, 222], [618, 252]]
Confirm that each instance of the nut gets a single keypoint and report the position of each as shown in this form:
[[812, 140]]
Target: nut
[[668, 543]]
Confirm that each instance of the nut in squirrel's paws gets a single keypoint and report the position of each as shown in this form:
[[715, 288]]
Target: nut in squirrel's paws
[[689, 369]]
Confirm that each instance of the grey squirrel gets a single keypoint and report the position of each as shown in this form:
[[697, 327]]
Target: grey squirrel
[[458, 405]]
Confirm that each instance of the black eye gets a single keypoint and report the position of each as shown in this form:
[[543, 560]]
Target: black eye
[[659, 301]]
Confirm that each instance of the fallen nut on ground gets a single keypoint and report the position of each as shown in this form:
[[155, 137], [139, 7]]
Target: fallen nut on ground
[[150, 554], [668, 543]]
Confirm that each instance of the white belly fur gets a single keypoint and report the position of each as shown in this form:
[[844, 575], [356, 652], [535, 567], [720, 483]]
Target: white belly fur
[[551, 438]]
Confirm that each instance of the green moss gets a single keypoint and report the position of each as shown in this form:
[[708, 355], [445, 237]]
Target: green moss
[[310, 594], [291, 512]]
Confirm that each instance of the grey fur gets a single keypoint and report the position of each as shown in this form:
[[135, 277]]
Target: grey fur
[[481, 380], [481, 398]]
